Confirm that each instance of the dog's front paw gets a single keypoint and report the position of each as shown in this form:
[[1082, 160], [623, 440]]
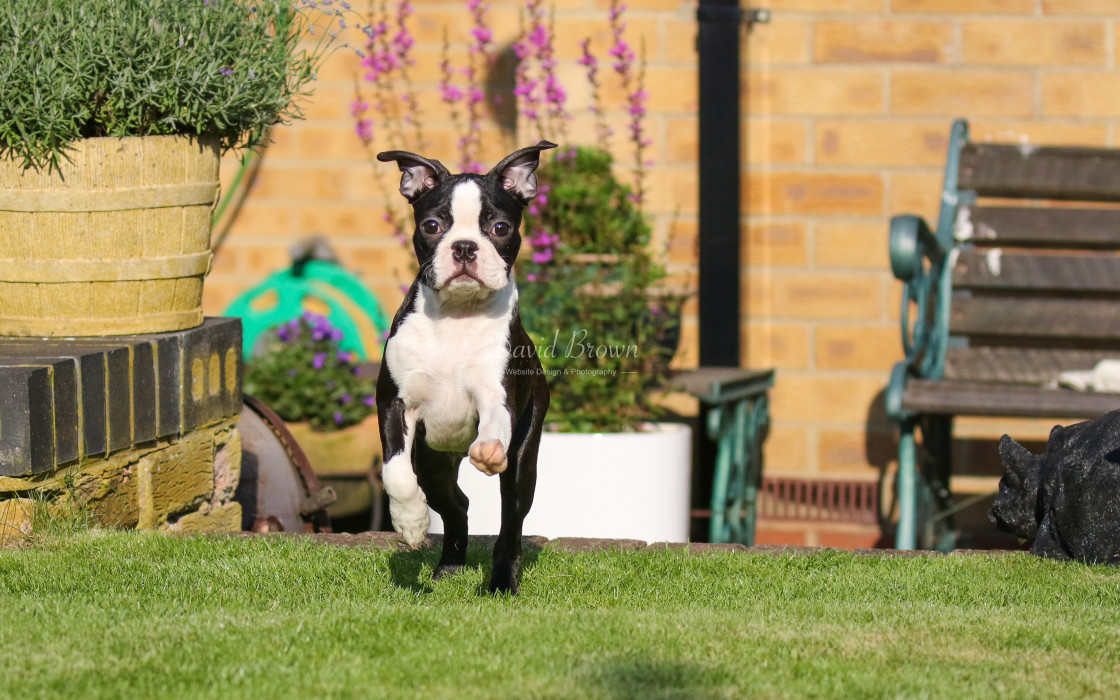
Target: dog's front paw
[[489, 457], [411, 520]]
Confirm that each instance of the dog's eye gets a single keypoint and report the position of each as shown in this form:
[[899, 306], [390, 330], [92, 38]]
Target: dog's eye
[[501, 229], [430, 227]]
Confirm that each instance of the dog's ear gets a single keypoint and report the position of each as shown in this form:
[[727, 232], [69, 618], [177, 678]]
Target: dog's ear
[[517, 172], [418, 173]]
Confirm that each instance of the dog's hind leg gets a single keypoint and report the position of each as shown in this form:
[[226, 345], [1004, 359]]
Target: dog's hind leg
[[518, 482], [438, 473]]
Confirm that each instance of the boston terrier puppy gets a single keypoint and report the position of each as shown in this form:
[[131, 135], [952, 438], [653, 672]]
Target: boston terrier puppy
[[459, 375]]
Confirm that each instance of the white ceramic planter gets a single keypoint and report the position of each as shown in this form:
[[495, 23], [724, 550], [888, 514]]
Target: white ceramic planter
[[618, 485]]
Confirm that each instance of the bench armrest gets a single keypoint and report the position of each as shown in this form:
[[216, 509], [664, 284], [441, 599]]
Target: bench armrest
[[924, 266]]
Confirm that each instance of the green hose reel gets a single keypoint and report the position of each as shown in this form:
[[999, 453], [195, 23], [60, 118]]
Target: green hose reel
[[321, 287]]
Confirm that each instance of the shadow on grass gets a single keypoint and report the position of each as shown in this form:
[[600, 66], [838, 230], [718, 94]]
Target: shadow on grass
[[407, 568], [660, 680]]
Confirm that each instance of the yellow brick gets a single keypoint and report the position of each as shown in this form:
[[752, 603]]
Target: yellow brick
[[809, 398], [672, 90], [429, 24], [1004, 7], [1081, 95], [219, 292], [688, 355], [849, 6], [377, 261], [1039, 132], [858, 347], [822, 295], [1080, 7], [255, 218], [774, 142], [952, 93], [783, 40], [296, 183], [916, 193], [856, 194], [263, 260], [814, 91], [775, 243], [867, 41], [328, 142], [670, 190], [861, 244], [856, 452], [328, 103], [682, 143], [881, 143], [999, 42], [683, 241], [780, 345], [786, 450], [570, 31]]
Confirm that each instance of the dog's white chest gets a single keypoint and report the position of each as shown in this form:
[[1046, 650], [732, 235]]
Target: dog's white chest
[[445, 366]]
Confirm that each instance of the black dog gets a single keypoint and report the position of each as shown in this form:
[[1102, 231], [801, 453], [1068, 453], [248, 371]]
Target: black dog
[[459, 374], [1066, 498]]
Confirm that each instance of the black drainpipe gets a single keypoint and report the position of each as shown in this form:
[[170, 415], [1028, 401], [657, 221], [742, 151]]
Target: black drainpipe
[[719, 48]]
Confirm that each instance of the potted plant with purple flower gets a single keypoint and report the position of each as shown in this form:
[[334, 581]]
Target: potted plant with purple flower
[[327, 400]]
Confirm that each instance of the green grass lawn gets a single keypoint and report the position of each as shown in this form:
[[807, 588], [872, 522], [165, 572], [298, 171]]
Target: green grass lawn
[[128, 615]]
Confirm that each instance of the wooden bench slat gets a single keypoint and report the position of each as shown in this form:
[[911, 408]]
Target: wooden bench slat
[[1038, 366], [1042, 227], [1048, 172], [1004, 400], [1066, 319], [977, 269]]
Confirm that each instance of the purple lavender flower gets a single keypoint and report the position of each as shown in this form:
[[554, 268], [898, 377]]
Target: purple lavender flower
[[368, 401], [283, 333], [226, 71], [337, 418], [319, 360], [345, 399]]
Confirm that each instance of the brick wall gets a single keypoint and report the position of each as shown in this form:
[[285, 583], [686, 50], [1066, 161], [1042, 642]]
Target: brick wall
[[849, 104]]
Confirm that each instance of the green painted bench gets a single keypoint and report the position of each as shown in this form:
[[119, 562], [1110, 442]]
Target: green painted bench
[[1018, 281]]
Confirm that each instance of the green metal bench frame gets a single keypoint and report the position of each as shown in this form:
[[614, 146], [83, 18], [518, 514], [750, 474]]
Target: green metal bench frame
[[735, 414], [1042, 306]]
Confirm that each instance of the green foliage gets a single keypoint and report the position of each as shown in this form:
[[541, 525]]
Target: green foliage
[[592, 297], [304, 375], [133, 615], [72, 69]]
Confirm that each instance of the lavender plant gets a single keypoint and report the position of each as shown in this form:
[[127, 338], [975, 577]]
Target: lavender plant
[[73, 69], [304, 375]]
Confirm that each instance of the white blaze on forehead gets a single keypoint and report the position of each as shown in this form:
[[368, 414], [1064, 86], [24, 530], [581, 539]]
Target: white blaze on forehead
[[466, 206], [488, 268]]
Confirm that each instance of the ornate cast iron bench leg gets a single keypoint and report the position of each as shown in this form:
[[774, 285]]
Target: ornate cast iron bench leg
[[735, 411]]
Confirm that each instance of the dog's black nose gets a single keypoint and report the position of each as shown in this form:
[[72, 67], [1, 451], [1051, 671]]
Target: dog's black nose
[[464, 251]]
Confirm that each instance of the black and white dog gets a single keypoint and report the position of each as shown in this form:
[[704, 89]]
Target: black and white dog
[[459, 375]]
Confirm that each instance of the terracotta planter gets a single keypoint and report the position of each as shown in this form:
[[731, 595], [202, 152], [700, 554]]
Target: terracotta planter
[[346, 460], [618, 485], [115, 242]]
